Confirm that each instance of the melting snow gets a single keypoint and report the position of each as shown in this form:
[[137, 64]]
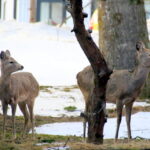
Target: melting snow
[[140, 126]]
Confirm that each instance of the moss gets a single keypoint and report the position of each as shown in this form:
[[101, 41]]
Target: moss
[[111, 110], [45, 89], [56, 138], [42, 87], [69, 88], [66, 89], [74, 87], [70, 108]]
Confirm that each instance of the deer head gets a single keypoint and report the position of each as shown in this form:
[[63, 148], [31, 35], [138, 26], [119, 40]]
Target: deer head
[[143, 55], [9, 64]]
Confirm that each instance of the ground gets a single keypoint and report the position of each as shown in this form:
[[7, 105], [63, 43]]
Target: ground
[[75, 143]]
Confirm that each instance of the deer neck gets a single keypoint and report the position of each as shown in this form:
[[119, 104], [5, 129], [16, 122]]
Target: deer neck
[[5, 81], [139, 76]]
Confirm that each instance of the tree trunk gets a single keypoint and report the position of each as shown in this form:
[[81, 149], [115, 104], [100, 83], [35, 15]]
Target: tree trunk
[[32, 10], [96, 110], [122, 23]]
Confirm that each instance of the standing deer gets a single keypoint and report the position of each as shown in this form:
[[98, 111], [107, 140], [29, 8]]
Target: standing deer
[[123, 87], [17, 88]]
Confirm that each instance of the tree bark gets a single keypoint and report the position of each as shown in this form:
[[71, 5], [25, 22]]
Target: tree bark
[[121, 24], [96, 109]]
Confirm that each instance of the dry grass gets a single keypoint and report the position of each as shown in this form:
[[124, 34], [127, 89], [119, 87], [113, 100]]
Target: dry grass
[[112, 145], [75, 143]]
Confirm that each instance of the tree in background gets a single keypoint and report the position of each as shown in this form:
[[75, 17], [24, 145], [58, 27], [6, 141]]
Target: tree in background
[[121, 24]]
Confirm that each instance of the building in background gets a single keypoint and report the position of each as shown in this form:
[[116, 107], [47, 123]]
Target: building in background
[[15, 9], [48, 11], [51, 11]]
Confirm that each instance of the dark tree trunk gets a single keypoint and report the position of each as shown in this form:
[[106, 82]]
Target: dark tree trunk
[[96, 109], [122, 23]]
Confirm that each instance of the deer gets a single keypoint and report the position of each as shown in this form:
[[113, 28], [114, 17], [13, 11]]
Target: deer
[[19, 88], [123, 87]]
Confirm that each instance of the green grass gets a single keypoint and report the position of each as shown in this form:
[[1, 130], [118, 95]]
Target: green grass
[[45, 89], [66, 89], [70, 108]]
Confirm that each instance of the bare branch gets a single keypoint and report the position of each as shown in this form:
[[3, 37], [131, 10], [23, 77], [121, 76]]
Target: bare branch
[[68, 6]]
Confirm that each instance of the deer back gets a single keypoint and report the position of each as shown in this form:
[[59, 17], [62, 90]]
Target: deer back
[[23, 86]]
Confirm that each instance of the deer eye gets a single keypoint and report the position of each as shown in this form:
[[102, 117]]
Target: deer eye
[[11, 62]]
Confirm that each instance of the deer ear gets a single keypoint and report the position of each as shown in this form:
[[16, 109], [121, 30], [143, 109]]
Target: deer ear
[[7, 52], [2, 55], [140, 46]]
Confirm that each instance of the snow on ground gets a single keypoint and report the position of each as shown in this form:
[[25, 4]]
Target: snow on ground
[[53, 102], [140, 126], [52, 54]]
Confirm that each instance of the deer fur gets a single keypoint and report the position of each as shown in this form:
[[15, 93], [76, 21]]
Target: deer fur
[[17, 88], [123, 87]]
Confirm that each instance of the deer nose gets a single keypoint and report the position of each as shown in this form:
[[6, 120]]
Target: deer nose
[[21, 67]]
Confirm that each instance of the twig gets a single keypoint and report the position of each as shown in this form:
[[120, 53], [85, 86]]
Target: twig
[[66, 142]]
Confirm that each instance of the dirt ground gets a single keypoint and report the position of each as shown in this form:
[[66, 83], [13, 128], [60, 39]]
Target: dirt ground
[[73, 142]]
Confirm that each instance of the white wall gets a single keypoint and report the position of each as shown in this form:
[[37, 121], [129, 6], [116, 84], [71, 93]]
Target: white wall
[[23, 10], [7, 9]]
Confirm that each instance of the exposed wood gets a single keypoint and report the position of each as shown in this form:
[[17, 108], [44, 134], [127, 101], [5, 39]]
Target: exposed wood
[[96, 110]]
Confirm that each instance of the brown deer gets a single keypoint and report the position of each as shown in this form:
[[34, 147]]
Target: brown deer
[[18, 88], [123, 87]]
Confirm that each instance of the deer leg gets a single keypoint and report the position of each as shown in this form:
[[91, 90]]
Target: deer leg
[[84, 122], [13, 107], [30, 106], [84, 128], [5, 108], [128, 108], [24, 110], [119, 108]]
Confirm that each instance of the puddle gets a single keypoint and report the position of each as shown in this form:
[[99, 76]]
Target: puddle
[[140, 126], [58, 148], [64, 128]]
